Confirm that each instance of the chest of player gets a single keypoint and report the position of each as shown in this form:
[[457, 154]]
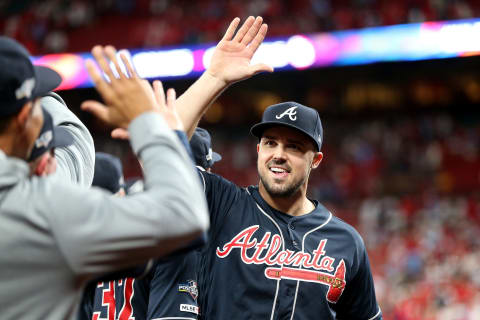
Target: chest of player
[[260, 245]]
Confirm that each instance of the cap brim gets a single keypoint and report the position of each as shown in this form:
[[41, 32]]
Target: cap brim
[[46, 79], [62, 137], [216, 157], [258, 129]]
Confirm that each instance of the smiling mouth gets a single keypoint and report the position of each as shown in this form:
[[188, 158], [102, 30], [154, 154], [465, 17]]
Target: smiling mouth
[[279, 172]]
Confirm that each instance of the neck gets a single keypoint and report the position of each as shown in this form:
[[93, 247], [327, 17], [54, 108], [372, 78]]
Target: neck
[[294, 205], [6, 145], [13, 145]]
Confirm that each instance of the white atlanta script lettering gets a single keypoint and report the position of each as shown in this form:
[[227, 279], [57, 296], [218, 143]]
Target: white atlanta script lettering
[[268, 252]]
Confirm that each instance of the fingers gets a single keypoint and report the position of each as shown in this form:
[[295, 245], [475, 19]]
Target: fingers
[[257, 41], [260, 67], [244, 29], [132, 73], [252, 31], [98, 54], [159, 93], [111, 54], [231, 29], [171, 96], [120, 133], [96, 108], [100, 83]]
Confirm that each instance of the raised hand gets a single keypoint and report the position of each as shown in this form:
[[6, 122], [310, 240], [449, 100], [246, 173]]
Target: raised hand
[[126, 96], [167, 110], [232, 56]]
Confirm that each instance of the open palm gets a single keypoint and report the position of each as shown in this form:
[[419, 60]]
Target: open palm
[[232, 56]]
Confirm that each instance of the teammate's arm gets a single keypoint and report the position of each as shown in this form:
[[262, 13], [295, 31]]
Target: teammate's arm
[[76, 162], [98, 233]]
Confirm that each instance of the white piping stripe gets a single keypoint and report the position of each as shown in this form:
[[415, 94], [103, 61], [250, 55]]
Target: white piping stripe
[[283, 248], [203, 180], [300, 267], [378, 313]]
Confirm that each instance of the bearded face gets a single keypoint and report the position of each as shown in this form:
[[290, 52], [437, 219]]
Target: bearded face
[[285, 159]]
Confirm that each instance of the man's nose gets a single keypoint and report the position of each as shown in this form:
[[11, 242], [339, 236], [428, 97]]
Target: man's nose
[[279, 153]]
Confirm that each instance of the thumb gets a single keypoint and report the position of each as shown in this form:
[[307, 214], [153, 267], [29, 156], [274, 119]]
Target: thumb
[[98, 109], [120, 133], [260, 67]]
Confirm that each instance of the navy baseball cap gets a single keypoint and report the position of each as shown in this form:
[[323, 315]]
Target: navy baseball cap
[[20, 80], [201, 144], [293, 115], [108, 172], [50, 136]]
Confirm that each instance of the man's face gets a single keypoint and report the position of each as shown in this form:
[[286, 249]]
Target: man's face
[[285, 158]]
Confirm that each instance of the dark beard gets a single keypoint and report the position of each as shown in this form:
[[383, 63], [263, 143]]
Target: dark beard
[[283, 192]]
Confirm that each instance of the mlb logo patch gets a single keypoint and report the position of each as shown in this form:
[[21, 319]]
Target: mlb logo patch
[[189, 287]]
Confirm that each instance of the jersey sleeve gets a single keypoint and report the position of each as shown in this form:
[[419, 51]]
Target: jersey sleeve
[[173, 289], [358, 300], [75, 163], [221, 194], [98, 233]]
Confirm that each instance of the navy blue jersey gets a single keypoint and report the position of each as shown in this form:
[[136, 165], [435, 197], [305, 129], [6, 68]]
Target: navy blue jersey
[[173, 288], [122, 299], [264, 264]]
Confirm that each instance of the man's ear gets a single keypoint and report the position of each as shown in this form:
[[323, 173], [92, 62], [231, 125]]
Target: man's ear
[[22, 117], [258, 147], [317, 158]]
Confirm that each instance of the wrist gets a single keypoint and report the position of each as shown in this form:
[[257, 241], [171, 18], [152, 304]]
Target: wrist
[[214, 79]]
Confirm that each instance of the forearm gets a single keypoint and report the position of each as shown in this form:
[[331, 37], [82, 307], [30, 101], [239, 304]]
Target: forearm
[[194, 102]]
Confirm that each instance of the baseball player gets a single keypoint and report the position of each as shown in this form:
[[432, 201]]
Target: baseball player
[[273, 253], [113, 298], [55, 235], [173, 283], [170, 290], [42, 160], [75, 162]]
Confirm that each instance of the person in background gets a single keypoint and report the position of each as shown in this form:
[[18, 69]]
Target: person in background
[[42, 160]]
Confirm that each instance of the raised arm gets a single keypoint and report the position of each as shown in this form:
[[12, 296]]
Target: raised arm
[[230, 63]]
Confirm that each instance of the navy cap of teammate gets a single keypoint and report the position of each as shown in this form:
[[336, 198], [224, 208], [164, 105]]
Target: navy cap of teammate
[[20, 80], [293, 115], [201, 144], [50, 136], [108, 172]]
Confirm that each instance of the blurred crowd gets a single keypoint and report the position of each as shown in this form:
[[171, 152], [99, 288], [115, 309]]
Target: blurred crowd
[[67, 25]]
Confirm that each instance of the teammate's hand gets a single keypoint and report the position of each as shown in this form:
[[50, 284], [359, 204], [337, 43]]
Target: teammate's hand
[[167, 110], [126, 96], [231, 59]]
